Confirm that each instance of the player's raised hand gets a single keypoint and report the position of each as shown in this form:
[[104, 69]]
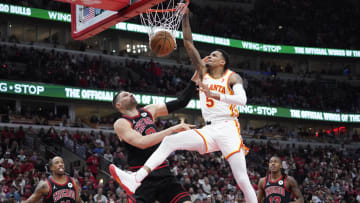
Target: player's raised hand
[[182, 127], [183, 8]]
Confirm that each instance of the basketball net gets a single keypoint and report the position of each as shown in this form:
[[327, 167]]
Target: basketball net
[[164, 16]]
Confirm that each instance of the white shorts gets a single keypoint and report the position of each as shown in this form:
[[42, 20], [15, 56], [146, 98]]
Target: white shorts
[[222, 136]]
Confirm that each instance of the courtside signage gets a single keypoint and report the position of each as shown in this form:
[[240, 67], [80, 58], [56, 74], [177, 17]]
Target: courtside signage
[[131, 27], [57, 91]]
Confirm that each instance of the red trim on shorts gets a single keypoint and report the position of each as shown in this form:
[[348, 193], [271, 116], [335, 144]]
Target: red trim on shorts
[[179, 196], [162, 165], [50, 189], [275, 181], [241, 141], [152, 118], [285, 184], [203, 137], [56, 183], [131, 199]]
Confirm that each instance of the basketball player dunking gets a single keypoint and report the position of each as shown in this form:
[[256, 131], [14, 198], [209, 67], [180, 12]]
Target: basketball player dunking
[[58, 188], [278, 187], [221, 92], [136, 128]]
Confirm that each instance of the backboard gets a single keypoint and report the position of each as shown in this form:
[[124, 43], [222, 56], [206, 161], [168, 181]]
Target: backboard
[[89, 17]]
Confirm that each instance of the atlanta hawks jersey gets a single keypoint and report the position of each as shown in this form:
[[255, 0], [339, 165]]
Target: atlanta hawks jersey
[[143, 123], [213, 109]]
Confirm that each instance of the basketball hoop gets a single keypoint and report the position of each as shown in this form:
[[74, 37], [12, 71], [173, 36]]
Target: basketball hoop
[[164, 16]]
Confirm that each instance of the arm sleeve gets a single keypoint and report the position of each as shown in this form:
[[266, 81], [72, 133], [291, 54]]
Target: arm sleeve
[[182, 99], [239, 97]]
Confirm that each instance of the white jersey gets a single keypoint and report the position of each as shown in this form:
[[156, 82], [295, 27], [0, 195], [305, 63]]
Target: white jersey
[[215, 110]]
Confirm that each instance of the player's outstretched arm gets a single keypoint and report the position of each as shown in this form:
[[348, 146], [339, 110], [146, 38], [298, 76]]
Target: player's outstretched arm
[[182, 100], [193, 53], [261, 192], [125, 133], [295, 190], [42, 189], [236, 84]]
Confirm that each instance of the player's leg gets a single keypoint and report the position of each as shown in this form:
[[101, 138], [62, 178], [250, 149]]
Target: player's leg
[[187, 140], [169, 190], [230, 143], [238, 166]]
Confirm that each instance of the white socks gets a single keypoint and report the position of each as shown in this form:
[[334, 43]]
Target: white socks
[[140, 175], [238, 166]]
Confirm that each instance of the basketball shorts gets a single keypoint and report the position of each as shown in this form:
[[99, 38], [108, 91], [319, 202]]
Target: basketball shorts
[[222, 136], [164, 189]]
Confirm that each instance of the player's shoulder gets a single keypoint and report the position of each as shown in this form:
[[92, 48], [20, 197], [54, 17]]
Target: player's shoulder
[[233, 74], [122, 123], [75, 181], [290, 180], [234, 77], [261, 180], [43, 186]]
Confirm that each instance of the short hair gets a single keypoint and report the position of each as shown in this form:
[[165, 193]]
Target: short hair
[[276, 156], [115, 99], [226, 57], [51, 162]]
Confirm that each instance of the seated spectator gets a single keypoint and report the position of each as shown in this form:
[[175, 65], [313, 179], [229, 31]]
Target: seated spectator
[[99, 197]]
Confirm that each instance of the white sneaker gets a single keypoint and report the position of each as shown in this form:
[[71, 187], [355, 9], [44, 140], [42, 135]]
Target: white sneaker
[[127, 181]]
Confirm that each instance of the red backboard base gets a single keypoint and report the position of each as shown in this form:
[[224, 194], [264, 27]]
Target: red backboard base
[[124, 10], [112, 5]]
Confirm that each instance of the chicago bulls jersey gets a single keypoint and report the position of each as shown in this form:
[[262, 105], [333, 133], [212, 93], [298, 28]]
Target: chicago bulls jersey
[[276, 191], [143, 123], [213, 109], [61, 193]]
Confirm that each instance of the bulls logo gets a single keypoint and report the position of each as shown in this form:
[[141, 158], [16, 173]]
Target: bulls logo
[[70, 185], [144, 114], [281, 182]]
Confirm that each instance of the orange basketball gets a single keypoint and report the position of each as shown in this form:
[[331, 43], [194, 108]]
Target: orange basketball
[[162, 43]]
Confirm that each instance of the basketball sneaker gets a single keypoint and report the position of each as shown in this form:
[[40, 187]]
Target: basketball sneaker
[[126, 180]]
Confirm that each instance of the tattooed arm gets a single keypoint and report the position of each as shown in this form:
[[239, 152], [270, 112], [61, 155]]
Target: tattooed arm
[[41, 190]]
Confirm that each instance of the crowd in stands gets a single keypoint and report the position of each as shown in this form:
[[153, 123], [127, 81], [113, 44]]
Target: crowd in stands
[[324, 174], [305, 23], [316, 94], [40, 65], [29, 64]]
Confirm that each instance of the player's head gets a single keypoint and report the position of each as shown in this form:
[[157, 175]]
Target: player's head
[[56, 166], [275, 164], [124, 100], [218, 58]]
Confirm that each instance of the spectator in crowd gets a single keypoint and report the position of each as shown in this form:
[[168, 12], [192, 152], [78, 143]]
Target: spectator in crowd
[[269, 91], [99, 197]]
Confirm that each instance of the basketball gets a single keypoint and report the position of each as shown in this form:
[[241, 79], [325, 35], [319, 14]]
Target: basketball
[[162, 43]]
